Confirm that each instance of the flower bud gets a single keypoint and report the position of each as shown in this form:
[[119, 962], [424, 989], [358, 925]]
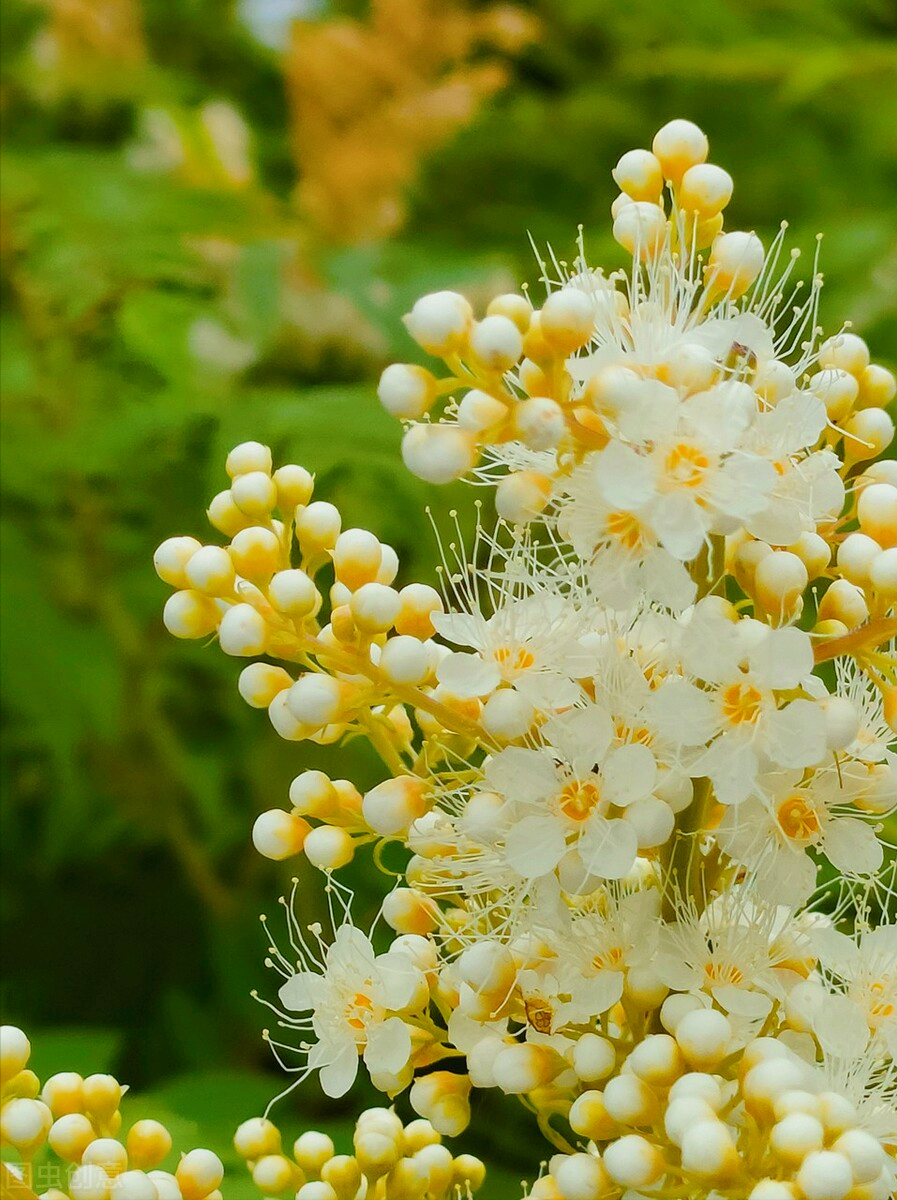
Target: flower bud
[[316, 1190], [794, 1136], [657, 1060], [283, 720], [249, 457], [633, 1162], [24, 1124], [343, 1174], [878, 387], [709, 1152], [356, 557], [107, 1153], [89, 1182], [312, 1150], [391, 806], [189, 614], [278, 835], [568, 319], [63, 1093], [69, 1136], [825, 1175], [329, 848], [147, 1144], [405, 660], [256, 553], [211, 571], [243, 631], [883, 574], [705, 189], [198, 1173], [593, 1057], [407, 391], [259, 683], [294, 593], [582, 1177], [374, 607], [867, 434], [273, 1174], [444, 1099], [317, 527], [639, 174], [407, 910], [630, 1101], [855, 556], [736, 259], [539, 422], [679, 145], [524, 1067], [224, 515], [438, 453], [496, 343], [641, 229], [844, 352], [779, 583], [171, 558], [419, 602], [294, 486], [440, 323], [877, 513], [254, 494], [703, 1036], [317, 699], [513, 306], [844, 602], [478, 411], [837, 390], [522, 496]]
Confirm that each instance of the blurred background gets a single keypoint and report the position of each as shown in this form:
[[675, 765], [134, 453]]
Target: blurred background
[[213, 215]]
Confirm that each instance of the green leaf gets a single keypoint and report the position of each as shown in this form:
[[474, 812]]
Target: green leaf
[[85, 1050]]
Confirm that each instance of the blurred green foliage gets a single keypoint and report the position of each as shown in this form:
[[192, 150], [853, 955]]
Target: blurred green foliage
[[162, 300]]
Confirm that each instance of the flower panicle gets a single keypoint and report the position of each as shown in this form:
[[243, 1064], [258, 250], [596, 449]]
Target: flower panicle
[[614, 749]]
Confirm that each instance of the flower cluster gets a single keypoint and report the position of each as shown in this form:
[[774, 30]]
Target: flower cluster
[[390, 1161], [79, 1121], [640, 715]]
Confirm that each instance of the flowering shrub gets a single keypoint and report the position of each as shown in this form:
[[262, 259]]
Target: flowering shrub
[[642, 714]]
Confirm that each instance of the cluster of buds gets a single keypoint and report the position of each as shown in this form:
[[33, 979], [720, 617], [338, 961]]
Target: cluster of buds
[[620, 744], [687, 1117], [80, 1122], [389, 1161]]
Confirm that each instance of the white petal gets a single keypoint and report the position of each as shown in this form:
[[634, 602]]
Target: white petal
[[608, 848], [602, 992], [851, 846], [680, 524], [535, 846], [683, 713], [300, 992], [399, 978], [388, 1047], [841, 1028], [468, 675], [581, 735], [795, 735], [626, 479], [339, 1074], [732, 766], [522, 775], [783, 658], [742, 1002], [628, 774]]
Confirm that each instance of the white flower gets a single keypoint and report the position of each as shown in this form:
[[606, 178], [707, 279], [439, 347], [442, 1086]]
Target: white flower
[[354, 998], [865, 967], [736, 713]]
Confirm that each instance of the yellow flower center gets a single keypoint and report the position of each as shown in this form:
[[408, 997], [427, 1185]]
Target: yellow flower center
[[881, 1009], [360, 1004], [797, 820], [626, 529], [609, 960], [722, 975], [513, 658], [539, 1014], [578, 799], [685, 465], [742, 704]]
